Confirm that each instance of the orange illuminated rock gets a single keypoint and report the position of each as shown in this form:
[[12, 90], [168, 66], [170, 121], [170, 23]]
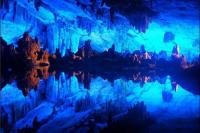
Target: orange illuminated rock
[[29, 49]]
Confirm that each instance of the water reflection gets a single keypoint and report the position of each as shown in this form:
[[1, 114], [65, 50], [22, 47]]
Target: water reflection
[[30, 79], [27, 80], [59, 101]]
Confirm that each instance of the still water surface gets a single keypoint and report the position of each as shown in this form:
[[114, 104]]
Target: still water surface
[[72, 103]]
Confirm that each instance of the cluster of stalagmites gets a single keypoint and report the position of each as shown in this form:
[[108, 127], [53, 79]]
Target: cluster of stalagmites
[[110, 57], [28, 53], [40, 63], [30, 49]]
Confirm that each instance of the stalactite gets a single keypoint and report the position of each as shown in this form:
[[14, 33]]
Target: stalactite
[[14, 10]]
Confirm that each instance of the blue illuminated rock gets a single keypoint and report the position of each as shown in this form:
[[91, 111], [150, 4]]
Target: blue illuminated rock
[[168, 36], [63, 24], [42, 112]]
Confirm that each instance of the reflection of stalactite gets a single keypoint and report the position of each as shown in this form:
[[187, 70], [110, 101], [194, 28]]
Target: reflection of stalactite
[[136, 120], [83, 104]]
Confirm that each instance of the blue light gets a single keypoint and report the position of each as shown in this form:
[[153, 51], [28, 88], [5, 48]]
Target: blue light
[[63, 32]]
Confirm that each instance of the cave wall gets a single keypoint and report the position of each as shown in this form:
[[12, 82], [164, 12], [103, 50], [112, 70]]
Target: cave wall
[[68, 23]]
